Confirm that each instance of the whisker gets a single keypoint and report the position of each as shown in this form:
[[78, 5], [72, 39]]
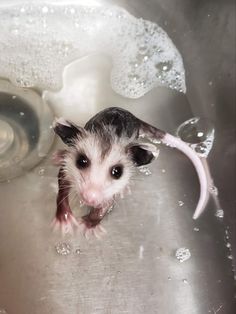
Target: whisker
[[67, 196], [72, 198], [63, 187]]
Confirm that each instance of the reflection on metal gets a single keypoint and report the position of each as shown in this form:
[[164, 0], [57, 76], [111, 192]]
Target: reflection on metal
[[133, 269], [25, 134]]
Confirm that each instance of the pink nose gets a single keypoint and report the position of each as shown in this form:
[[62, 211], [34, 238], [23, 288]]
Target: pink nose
[[91, 197]]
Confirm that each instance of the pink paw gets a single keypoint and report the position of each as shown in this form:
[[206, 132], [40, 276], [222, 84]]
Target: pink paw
[[89, 231], [65, 225]]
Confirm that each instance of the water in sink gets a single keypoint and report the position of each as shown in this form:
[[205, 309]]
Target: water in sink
[[134, 268]]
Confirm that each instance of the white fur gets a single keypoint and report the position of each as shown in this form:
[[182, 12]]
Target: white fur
[[97, 176]]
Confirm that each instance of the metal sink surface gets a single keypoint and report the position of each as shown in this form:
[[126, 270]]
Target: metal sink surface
[[133, 269]]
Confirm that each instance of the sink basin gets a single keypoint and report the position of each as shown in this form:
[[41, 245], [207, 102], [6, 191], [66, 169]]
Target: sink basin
[[136, 267]]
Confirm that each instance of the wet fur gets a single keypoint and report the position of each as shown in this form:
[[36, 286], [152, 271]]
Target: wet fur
[[113, 136], [101, 161]]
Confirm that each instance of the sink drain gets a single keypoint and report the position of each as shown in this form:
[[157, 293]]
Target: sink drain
[[6, 137], [25, 130]]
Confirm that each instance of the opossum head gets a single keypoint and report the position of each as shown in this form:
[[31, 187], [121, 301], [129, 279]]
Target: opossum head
[[100, 164]]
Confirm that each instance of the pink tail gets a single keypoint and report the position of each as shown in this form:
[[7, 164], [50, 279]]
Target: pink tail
[[202, 175]]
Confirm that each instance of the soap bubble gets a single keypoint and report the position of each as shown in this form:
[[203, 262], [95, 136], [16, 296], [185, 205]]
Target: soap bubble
[[43, 39], [199, 134]]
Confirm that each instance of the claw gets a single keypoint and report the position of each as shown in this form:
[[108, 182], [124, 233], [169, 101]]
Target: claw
[[87, 231], [65, 226]]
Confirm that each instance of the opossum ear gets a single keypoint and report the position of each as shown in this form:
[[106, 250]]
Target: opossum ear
[[67, 131], [142, 154]]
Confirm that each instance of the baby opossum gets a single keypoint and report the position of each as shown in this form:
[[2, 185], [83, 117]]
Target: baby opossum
[[100, 160]]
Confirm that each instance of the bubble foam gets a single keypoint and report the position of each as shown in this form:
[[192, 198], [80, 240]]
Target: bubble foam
[[38, 41]]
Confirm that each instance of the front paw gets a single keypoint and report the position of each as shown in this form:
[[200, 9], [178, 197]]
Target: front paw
[[89, 229], [65, 224]]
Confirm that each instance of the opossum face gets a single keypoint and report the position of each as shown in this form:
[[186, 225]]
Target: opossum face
[[100, 166]]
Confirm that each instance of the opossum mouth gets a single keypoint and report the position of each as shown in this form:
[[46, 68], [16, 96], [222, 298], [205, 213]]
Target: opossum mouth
[[106, 205]]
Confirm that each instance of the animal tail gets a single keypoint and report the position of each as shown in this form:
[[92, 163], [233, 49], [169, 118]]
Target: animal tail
[[173, 141]]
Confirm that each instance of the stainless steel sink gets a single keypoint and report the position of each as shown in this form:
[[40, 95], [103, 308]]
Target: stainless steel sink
[[134, 268]]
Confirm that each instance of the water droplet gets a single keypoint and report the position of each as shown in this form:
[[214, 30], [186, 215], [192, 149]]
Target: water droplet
[[72, 11], [155, 140], [181, 203], [214, 190], [110, 208], [22, 10], [219, 213], [163, 170], [199, 134], [78, 251], [164, 66], [196, 229], [195, 130], [41, 171], [210, 83], [14, 97], [133, 77], [22, 113], [45, 10], [228, 245], [63, 248], [201, 148], [230, 256], [145, 170], [145, 58], [185, 281], [182, 254]]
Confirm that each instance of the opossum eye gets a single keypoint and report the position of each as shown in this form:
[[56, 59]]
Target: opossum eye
[[116, 171], [82, 161]]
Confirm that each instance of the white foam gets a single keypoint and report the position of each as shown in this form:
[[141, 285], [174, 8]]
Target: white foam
[[38, 41]]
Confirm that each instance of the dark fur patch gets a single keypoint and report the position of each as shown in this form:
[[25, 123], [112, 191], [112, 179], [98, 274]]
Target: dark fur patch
[[106, 143], [122, 121], [68, 133], [140, 156]]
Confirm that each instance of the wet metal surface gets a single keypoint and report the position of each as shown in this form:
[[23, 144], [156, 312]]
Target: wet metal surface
[[134, 268]]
